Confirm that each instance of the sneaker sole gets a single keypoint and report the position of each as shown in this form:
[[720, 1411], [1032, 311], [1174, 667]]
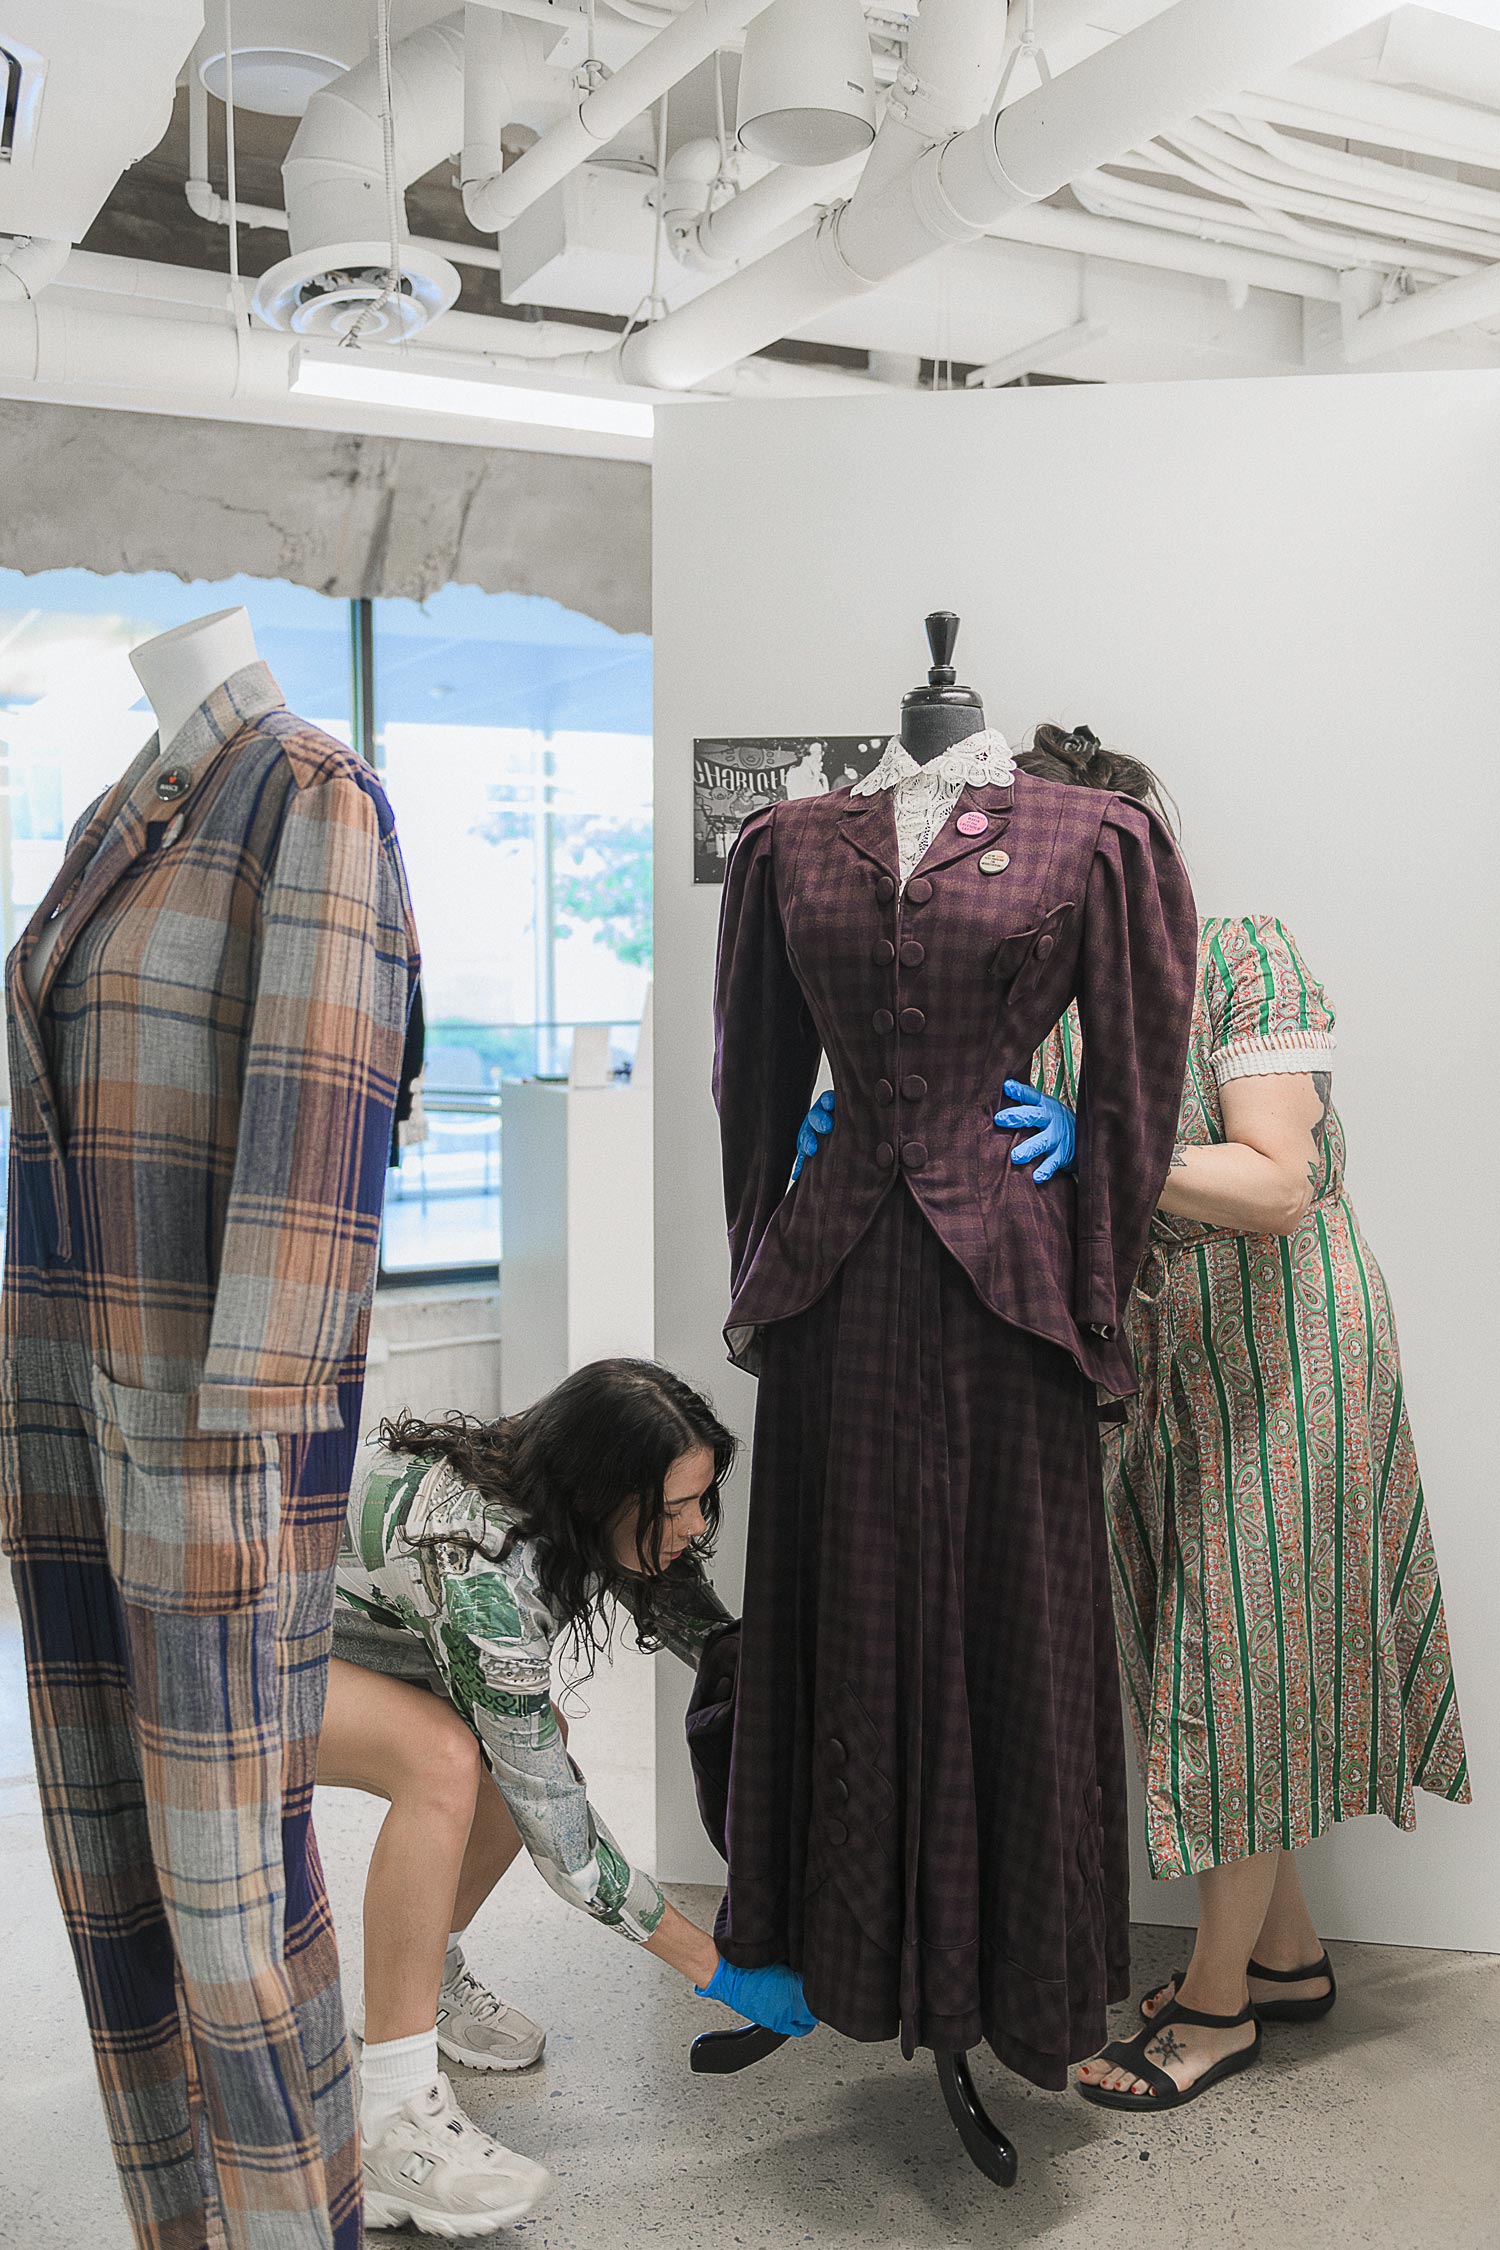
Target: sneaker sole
[[474, 2060], [386, 2211]]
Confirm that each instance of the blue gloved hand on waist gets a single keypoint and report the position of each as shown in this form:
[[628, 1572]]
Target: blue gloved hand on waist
[[1053, 1143], [817, 1122]]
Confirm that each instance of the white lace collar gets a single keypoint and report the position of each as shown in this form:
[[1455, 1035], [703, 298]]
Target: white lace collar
[[925, 796]]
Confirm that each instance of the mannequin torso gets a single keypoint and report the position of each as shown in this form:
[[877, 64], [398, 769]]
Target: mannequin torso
[[179, 670]]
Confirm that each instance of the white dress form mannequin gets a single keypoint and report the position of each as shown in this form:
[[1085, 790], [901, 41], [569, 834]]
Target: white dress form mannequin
[[178, 670]]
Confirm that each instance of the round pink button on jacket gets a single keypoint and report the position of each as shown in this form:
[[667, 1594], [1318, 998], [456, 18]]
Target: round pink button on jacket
[[972, 823]]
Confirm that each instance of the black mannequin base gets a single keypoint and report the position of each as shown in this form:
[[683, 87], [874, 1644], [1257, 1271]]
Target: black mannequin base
[[718, 2053]]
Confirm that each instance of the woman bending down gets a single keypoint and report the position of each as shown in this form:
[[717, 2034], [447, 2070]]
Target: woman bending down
[[471, 1550]]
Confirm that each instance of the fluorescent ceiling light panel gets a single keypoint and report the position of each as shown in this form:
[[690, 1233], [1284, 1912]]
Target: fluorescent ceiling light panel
[[356, 381]]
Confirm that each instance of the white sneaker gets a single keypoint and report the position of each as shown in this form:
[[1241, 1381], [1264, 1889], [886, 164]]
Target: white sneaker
[[476, 2028], [432, 2166]]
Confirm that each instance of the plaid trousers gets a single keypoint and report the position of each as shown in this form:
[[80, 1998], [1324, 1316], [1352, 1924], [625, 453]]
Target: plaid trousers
[[175, 1752], [202, 1088]]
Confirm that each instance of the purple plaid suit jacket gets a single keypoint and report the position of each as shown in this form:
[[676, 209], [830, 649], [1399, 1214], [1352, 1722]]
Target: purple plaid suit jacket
[[925, 1004]]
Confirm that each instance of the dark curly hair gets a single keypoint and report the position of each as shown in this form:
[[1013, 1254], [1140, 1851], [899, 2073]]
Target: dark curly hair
[[594, 1451], [1076, 755]]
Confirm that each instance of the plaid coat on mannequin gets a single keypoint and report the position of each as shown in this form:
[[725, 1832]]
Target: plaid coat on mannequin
[[926, 1803], [202, 1096]]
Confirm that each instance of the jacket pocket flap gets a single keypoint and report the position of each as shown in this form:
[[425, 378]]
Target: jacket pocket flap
[[1013, 953]]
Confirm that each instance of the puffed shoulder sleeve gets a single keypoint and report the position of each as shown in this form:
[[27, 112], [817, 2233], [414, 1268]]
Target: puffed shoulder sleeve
[[1135, 1005], [1270, 1014], [766, 1047]]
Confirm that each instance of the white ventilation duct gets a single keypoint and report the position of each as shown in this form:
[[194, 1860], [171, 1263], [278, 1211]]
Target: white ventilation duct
[[807, 83], [1198, 55], [715, 238], [334, 175]]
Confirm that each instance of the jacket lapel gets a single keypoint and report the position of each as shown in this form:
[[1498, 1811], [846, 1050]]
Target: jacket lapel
[[868, 826]]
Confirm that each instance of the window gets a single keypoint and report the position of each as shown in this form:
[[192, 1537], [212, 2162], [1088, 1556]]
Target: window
[[514, 739]]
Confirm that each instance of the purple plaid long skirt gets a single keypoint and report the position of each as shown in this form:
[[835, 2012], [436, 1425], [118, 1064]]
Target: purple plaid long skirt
[[926, 1807]]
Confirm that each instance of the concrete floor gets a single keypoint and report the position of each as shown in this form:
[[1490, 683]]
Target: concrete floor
[[1375, 2131]]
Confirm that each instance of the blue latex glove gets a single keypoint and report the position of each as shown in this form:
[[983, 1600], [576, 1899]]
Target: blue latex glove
[[1052, 1145], [819, 1120], [772, 1997]]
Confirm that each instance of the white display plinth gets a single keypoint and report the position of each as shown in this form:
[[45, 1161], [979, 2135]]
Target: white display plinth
[[576, 1220]]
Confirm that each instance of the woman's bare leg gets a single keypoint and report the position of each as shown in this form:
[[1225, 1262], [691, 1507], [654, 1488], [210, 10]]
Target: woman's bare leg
[[1233, 1903], [1289, 1937], [398, 1741], [1288, 1940]]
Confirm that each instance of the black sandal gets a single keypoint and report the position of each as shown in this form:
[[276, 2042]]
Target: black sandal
[[1130, 2054], [1296, 2011], [1268, 2011]]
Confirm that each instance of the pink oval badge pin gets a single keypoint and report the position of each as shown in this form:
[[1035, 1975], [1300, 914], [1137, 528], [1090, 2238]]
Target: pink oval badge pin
[[972, 823]]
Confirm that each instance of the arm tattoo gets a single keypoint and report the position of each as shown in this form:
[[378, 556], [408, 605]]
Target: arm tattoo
[[1323, 1088], [1179, 1161]]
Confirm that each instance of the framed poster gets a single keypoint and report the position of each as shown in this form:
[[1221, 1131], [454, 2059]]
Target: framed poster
[[736, 775]]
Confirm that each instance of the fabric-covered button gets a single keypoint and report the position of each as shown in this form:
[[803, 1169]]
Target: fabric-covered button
[[883, 1021], [885, 889], [912, 953], [913, 1020], [1044, 945], [914, 1155], [837, 1832], [840, 1790], [883, 953], [918, 890], [836, 1750], [885, 1156], [884, 1090], [174, 783], [913, 1088]]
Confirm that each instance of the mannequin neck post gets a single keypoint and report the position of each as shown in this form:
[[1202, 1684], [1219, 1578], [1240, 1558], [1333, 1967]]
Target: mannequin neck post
[[929, 726], [181, 669]]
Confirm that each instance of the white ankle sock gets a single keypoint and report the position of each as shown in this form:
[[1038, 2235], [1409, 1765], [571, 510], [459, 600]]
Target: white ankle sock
[[390, 2072]]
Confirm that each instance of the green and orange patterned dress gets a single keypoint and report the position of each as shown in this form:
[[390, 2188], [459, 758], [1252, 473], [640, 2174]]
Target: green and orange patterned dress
[[1277, 1605]]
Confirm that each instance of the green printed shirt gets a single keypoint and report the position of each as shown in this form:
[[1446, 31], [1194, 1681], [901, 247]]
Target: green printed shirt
[[426, 1555]]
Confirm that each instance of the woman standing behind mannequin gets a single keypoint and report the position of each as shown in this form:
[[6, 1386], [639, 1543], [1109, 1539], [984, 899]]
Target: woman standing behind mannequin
[[1277, 1607]]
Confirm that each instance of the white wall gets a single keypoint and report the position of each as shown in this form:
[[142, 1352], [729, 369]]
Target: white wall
[[1283, 594]]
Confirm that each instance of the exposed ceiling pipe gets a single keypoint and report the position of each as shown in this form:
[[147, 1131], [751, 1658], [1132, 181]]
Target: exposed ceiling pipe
[[716, 238], [28, 262], [1386, 328], [595, 119], [1196, 56], [1353, 189], [1386, 238], [1106, 195], [1316, 101], [1036, 358], [505, 79], [1080, 232]]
